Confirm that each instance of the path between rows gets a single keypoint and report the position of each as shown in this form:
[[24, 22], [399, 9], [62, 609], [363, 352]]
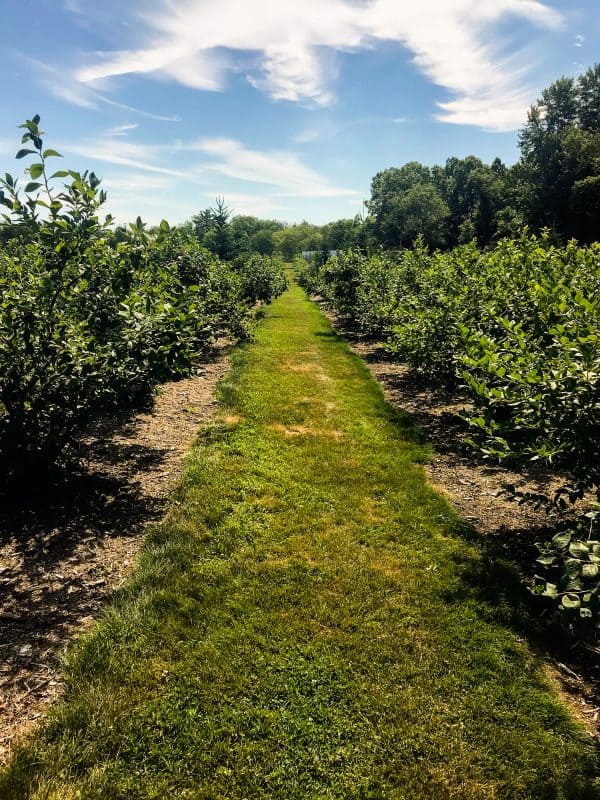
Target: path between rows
[[309, 621]]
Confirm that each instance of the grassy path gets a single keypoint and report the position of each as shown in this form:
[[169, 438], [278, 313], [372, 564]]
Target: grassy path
[[307, 623]]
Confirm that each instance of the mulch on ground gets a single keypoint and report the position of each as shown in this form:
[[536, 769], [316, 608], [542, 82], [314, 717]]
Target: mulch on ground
[[65, 548]]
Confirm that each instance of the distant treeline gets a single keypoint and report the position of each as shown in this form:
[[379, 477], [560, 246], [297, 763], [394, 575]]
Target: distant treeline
[[554, 185]]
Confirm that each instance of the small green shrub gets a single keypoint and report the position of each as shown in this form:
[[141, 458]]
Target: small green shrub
[[91, 320], [262, 277]]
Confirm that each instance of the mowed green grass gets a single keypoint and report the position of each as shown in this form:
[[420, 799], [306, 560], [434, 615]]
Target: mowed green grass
[[308, 621]]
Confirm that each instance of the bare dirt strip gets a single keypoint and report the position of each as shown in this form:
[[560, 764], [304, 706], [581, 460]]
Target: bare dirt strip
[[65, 548]]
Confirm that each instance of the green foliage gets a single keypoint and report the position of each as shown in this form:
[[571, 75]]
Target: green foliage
[[556, 184], [343, 234], [232, 237], [92, 319], [442, 206], [355, 285], [405, 204], [212, 228], [240, 236], [292, 240], [517, 326], [262, 277], [571, 561], [560, 147]]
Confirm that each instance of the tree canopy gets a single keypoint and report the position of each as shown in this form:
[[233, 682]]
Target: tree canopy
[[555, 185]]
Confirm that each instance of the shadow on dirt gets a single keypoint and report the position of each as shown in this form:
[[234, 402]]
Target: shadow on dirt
[[58, 545]]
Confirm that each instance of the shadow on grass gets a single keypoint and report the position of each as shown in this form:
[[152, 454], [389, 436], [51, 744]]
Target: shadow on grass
[[499, 582], [330, 335]]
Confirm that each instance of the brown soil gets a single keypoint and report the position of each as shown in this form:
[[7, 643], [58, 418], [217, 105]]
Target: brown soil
[[476, 487], [65, 548]]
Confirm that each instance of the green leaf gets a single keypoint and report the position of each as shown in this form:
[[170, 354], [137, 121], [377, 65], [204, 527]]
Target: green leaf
[[546, 560], [24, 152], [590, 570], [550, 590], [572, 567], [50, 152], [578, 549], [61, 173], [35, 170], [561, 540], [32, 186], [571, 602]]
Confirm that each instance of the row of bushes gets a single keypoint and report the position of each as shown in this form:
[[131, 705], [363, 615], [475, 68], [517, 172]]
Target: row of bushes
[[518, 327], [89, 323]]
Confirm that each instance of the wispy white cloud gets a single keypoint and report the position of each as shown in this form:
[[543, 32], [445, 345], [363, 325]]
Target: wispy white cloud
[[152, 166], [488, 110], [278, 168], [122, 130], [131, 194], [140, 111], [252, 204], [75, 93], [318, 131], [579, 40], [7, 147], [454, 43], [150, 205], [134, 182], [330, 129], [73, 6], [142, 157], [59, 83]]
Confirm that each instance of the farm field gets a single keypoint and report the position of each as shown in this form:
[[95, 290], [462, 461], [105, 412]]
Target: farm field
[[300, 400], [310, 620]]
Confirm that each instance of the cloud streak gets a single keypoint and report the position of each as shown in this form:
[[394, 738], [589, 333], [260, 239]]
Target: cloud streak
[[122, 130], [113, 150], [278, 168], [288, 50], [281, 170], [78, 93]]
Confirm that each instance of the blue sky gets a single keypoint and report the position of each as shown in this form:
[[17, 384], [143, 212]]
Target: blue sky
[[287, 109]]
